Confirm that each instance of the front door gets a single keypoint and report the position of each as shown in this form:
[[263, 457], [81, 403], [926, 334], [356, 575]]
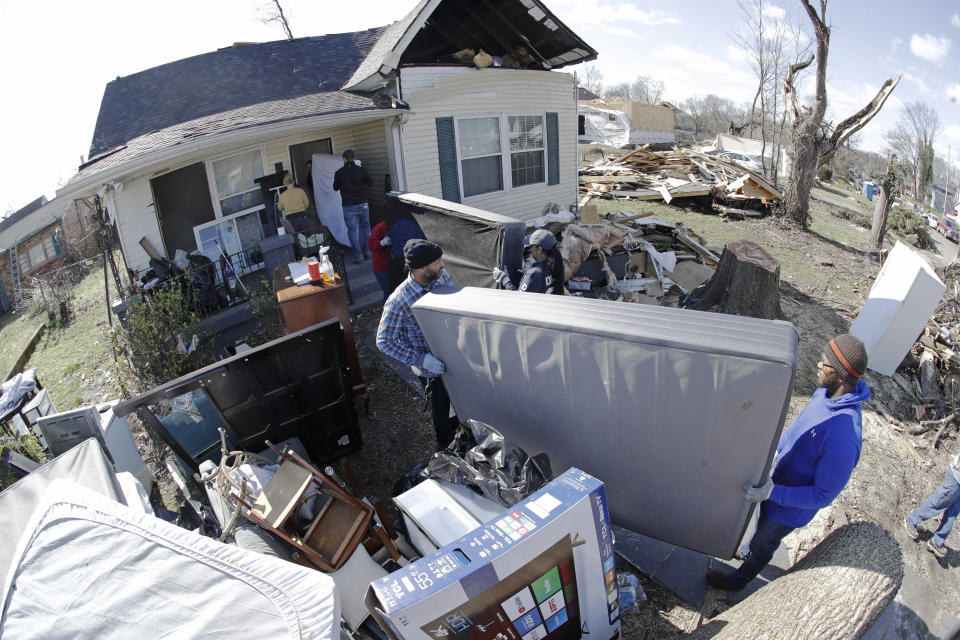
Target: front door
[[182, 198]]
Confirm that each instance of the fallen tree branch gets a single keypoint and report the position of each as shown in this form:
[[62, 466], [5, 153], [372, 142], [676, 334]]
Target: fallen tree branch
[[927, 425]]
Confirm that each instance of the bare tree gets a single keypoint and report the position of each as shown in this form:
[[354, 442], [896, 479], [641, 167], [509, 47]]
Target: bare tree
[[273, 12], [815, 141], [770, 46], [592, 79], [878, 228], [619, 90], [647, 90], [912, 140]]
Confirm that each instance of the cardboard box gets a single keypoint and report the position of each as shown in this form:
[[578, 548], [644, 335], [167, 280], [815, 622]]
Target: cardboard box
[[543, 570]]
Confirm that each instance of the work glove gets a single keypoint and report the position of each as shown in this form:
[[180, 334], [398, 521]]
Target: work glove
[[386, 241], [433, 364], [757, 494], [500, 276]]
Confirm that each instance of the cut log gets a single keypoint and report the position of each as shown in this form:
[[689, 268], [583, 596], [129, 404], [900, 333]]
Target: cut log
[[837, 591], [747, 283], [929, 380]]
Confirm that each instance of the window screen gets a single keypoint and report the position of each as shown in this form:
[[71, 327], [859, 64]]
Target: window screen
[[478, 140], [526, 150]]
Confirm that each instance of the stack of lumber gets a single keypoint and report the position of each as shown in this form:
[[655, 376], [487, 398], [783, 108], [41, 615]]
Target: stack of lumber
[[643, 174]]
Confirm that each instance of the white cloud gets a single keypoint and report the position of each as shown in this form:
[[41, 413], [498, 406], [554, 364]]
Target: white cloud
[[952, 132], [917, 80], [775, 13], [738, 54], [955, 19], [611, 18], [930, 47], [953, 92]]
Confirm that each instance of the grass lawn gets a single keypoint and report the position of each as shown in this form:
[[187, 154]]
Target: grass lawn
[[73, 362]]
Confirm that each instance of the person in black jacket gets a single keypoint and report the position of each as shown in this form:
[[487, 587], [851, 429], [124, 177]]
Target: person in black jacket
[[546, 274], [350, 181]]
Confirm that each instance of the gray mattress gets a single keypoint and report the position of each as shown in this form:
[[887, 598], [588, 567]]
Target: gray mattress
[[673, 409]]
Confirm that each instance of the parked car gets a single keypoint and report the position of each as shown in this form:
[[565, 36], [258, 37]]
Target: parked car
[[932, 220], [948, 228], [747, 162]]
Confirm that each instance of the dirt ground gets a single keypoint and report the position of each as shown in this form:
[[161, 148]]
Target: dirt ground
[[896, 471], [825, 278]]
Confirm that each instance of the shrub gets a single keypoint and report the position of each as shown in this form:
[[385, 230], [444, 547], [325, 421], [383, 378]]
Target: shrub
[[825, 172], [906, 224], [155, 343]]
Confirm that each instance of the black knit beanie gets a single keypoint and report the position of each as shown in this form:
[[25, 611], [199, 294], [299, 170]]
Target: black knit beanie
[[848, 357], [418, 253]]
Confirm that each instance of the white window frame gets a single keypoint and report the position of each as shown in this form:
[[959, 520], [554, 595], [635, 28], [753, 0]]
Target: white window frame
[[215, 190], [506, 173]]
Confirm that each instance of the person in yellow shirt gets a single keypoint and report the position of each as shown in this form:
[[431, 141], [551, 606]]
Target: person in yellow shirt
[[293, 202]]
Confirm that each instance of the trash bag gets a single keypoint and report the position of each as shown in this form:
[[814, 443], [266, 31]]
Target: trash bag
[[630, 592], [194, 516], [480, 457]]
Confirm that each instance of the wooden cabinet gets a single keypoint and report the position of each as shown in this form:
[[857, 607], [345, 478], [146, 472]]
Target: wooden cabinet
[[306, 305]]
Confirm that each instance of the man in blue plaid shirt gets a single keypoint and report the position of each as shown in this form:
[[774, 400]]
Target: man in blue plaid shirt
[[399, 336]]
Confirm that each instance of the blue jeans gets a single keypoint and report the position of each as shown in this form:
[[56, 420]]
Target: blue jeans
[[357, 217], [945, 500], [762, 547], [383, 279]]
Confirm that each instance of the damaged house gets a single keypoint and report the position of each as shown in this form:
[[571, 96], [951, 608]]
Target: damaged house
[[456, 100]]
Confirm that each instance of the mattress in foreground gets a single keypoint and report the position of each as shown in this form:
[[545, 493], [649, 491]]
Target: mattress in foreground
[[672, 409], [88, 567]]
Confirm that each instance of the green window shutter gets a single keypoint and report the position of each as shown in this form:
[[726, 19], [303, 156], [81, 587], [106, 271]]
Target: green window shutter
[[553, 149], [447, 150]]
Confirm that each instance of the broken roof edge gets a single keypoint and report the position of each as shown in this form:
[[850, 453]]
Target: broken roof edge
[[657, 325], [370, 75], [384, 58]]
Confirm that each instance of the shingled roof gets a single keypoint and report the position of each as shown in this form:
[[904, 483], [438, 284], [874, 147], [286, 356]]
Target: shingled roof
[[225, 80]]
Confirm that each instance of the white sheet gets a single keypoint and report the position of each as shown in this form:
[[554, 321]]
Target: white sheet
[[90, 567], [329, 205]]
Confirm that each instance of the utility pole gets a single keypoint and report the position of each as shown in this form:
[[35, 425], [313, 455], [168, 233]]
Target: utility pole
[[946, 187]]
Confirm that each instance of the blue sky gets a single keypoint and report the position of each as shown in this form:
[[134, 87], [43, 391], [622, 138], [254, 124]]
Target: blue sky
[[58, 57]]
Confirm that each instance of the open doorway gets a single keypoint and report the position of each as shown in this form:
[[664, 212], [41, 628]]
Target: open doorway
[[301, 153], [183, 202]]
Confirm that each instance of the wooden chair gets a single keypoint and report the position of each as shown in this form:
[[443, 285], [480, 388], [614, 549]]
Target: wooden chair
[[335, 531]]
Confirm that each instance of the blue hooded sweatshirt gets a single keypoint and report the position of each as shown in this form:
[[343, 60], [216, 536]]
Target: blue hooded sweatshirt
[[815, 456]]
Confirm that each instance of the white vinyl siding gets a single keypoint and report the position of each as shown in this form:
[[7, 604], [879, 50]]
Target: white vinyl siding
[[134, 208], [136, 218], [480, 93]]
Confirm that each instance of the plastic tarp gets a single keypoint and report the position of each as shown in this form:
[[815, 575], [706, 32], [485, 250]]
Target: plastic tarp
[[328, 202], [673, 409], [85, 464], [605, 126], [88, 567], [480, 457], [474, 241]]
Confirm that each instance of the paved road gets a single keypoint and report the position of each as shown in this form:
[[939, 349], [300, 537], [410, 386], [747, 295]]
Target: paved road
[[947, 250]]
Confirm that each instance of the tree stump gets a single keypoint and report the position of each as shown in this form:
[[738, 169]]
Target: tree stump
[[747, 283], [837, 591]]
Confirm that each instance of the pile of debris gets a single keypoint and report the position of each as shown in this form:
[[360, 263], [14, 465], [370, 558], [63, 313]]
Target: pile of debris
[[635, 258], [937, 355], [643, 174]]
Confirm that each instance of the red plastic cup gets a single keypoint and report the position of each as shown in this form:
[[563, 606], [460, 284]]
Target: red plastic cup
[[313, 267]]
